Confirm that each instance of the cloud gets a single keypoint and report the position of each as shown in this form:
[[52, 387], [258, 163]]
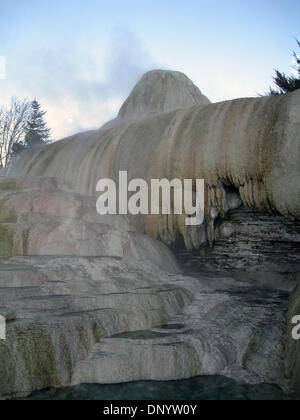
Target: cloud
[[80, 87]]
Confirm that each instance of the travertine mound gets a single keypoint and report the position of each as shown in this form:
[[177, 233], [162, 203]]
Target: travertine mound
[[247, 148], [158, 91], [161, 91], [81, 292]]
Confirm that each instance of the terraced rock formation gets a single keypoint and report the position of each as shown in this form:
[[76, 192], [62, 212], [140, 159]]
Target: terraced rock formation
[[91, 298]]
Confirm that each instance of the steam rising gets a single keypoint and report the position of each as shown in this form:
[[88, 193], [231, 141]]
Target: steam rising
[[69, 83]]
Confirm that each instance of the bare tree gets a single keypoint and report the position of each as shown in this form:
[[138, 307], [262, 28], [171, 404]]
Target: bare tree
[[13, 123]]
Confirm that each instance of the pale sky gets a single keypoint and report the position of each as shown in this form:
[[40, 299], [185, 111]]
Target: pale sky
[[81, 58]]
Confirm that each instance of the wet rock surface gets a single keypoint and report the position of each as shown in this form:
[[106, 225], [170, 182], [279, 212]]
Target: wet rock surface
[[80, 309], [236, 333], [57, 308], [110, 320], [196, 389]]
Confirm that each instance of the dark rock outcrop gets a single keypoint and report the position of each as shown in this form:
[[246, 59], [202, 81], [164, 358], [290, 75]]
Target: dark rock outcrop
[[259, 247]]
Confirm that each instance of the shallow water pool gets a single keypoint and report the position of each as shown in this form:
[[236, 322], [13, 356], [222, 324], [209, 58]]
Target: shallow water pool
[[196, 389]]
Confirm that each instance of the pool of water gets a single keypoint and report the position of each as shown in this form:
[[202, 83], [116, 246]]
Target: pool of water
[[200, 388]]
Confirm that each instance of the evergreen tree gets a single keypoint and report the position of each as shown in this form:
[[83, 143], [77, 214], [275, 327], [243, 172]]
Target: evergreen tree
[[17, 149], [36, 131], [286, 84]]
